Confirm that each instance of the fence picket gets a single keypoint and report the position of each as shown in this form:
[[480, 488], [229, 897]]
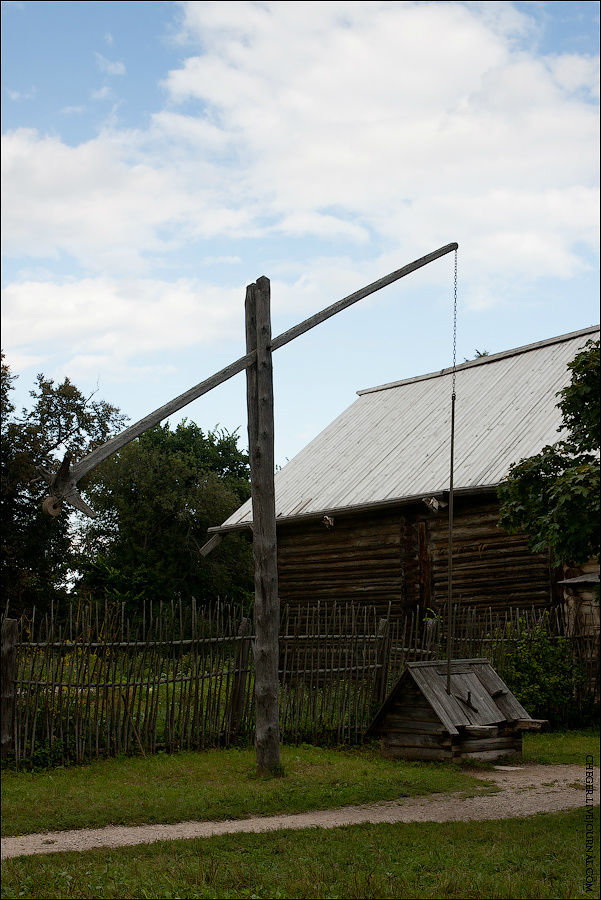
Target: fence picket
[[91, 683]]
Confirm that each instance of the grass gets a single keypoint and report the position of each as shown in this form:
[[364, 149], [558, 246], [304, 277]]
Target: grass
[[543, 856], [556, 748], [539, 857], [216, 784], [222, 784]]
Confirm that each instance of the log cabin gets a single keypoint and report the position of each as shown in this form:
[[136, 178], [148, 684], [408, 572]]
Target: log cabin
[[361, 510]]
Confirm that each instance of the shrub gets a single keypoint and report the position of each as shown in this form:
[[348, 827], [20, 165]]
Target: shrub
[[545, 675]]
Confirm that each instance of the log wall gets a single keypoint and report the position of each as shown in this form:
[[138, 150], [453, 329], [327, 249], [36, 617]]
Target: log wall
[[359, 559], [400, 558], [490, 567]]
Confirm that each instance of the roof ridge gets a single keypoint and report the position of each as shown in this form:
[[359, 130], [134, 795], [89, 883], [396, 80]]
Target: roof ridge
[[484, 360]]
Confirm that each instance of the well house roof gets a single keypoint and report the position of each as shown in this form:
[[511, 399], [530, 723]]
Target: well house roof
[[478, 696]]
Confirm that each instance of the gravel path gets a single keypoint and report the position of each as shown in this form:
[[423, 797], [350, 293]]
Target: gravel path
[[523, 791]]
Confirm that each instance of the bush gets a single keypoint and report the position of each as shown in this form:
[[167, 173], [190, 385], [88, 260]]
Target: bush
[[545, 676]]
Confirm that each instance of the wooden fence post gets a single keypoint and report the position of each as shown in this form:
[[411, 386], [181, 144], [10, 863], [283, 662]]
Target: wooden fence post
[[259, 382], [9, 674], [240, 676], [381, 680]]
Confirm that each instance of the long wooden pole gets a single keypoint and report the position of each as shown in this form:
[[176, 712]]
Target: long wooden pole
[[61, 488], [8, 665], [259, 394]]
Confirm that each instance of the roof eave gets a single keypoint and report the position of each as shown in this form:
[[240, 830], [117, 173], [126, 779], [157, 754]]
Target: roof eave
[[380, 505]]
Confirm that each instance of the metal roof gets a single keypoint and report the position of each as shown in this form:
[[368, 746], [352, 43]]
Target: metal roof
[[393, 443], [589, 578]]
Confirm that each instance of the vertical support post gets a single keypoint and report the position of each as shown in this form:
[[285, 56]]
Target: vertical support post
[[259, 379], [381, 661], [240, 676], [8, 666]]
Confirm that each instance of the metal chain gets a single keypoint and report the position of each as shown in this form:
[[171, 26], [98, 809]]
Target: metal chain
[[450, 616]]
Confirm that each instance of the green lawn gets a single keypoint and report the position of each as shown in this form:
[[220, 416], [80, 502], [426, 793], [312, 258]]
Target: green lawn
[[555, 748], [539, 857], [221, 784], [217, 784]]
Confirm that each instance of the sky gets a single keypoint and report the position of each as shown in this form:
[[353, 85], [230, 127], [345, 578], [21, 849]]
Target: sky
[[159, 156]]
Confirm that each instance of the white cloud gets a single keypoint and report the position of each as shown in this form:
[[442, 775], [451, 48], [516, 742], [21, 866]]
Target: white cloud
[[109, 67], [221, 260], [102, 93], [382, 124], [21, 95], [574, 72], [73, 110], [100, 201], [353, 122], [110, 323]]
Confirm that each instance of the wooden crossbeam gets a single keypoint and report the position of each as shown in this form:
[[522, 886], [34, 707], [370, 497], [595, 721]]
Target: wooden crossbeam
[[63, 483]]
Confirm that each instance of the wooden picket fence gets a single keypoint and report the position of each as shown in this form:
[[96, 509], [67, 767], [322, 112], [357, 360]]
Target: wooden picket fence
[[87, 682]]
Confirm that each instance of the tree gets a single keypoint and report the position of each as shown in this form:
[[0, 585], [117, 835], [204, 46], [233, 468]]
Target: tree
[[156, 498], [553, 497], [36, 550]]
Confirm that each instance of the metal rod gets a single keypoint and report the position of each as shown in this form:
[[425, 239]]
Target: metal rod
[[450, 622], [450, 554]]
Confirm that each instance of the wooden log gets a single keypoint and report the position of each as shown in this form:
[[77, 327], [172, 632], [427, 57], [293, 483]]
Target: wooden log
[[528, 724], [482, 731], [239, 686], [427, 753], [94, 458], [8, 667], [489, 744], [395, 724], [337, 307], [439, 741], [261, 452], [210, 545], [487, 755]]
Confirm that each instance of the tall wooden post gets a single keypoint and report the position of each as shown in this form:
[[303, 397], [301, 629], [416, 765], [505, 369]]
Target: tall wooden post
[[8, 674], [259, 382]]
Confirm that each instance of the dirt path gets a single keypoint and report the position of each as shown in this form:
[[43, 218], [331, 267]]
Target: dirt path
[[523, 791]]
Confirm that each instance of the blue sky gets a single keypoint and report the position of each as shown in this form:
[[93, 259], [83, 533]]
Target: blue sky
[[158, 157]]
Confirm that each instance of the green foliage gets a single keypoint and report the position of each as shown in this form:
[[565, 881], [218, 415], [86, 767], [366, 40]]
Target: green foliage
[[36, 550], [543, 673], [580, 399], [156, 499], [554, 496]]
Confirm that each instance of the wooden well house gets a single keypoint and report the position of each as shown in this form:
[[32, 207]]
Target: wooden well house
[[479, 719], [361, 511]]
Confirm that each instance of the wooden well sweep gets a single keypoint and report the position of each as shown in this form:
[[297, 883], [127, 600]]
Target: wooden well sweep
[[479, 719]]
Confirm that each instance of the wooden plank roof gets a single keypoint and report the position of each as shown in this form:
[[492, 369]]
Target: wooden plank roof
[[478, 695], [392, 444]]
